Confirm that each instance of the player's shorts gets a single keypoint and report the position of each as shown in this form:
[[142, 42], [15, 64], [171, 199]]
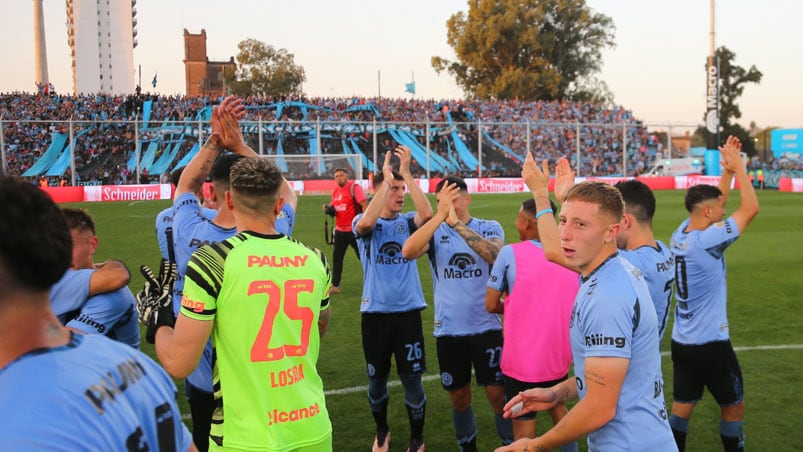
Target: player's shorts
[[456, 354], [712, 365], [398, 334], [513, 387]]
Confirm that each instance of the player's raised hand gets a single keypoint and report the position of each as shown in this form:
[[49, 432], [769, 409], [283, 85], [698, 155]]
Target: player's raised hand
[[387, 169], [730, 154], [232, 137], [405, 157], [446, 197], [536, 179], [564, 179]]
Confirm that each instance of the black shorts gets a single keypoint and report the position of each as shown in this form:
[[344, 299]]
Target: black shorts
[[398, 334], [456, 354], [713, 366], [513, 387]]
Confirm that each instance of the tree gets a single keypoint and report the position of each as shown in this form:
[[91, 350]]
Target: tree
[[263, 70], [732, 81], [527, 49]]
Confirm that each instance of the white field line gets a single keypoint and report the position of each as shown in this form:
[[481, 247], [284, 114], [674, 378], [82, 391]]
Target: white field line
[[436, 377], [354, 389]]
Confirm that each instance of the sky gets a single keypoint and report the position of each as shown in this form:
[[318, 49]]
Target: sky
[[370, 48]]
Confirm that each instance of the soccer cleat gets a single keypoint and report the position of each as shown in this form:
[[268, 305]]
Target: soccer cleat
[[381, 442], [416, 445]]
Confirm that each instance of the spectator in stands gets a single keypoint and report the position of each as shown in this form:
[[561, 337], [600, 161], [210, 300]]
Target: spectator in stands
[[109, 144]]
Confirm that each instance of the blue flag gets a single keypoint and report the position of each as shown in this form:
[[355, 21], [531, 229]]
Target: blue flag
[[153, 82], [409, 87]]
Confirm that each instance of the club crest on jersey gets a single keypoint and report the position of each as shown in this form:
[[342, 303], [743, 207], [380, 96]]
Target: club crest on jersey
[[400, 228]]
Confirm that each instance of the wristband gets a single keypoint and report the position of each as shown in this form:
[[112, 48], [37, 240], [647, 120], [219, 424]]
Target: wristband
[[542, 212]]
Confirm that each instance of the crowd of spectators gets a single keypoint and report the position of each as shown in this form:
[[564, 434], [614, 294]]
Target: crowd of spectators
[[105, 131]]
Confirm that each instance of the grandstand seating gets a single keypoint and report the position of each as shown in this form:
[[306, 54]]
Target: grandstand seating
[[106, 148]]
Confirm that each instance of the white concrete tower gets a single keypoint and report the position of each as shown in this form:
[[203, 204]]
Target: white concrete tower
[[102, 37], [39, 44]]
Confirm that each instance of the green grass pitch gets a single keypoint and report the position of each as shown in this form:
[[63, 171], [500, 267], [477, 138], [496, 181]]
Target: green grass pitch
[[764, 309]]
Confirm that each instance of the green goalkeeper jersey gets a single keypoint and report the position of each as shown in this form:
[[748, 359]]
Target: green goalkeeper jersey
[[265, 294]]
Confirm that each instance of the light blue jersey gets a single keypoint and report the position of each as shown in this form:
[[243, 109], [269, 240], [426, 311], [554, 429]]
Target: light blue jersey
[[390, 282], [658, 267], [613, 316], [191, 230], [503, 272], [112, 314], [459, 277], [70, 293], [700, 282], [90, 394], [164, 220], [285, 220]]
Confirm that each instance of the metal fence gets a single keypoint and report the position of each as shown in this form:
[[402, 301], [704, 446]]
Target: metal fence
[[90, 152]]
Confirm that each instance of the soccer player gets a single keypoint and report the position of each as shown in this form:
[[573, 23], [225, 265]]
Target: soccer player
[[264, 299], [62, 390], [536, 352], [637, 244], [613, 331], [461, 250], [347, 201], [636, 241], [164, 220], [192, 230], [392, 298], [702, 354], [112, 313]]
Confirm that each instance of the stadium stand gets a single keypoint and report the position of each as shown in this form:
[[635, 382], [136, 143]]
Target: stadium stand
[[35, 131]]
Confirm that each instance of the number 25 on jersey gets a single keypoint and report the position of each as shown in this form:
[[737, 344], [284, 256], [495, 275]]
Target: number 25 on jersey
[[261, 350]]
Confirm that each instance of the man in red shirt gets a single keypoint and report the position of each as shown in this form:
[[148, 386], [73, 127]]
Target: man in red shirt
[[348, 200]]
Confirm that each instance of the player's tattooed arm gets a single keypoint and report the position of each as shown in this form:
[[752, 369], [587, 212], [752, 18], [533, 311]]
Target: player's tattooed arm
[[595, 377], [488, 249]]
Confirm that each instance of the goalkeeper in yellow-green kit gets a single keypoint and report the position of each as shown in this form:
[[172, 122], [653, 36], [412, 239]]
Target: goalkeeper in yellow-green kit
[[262, 296]]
